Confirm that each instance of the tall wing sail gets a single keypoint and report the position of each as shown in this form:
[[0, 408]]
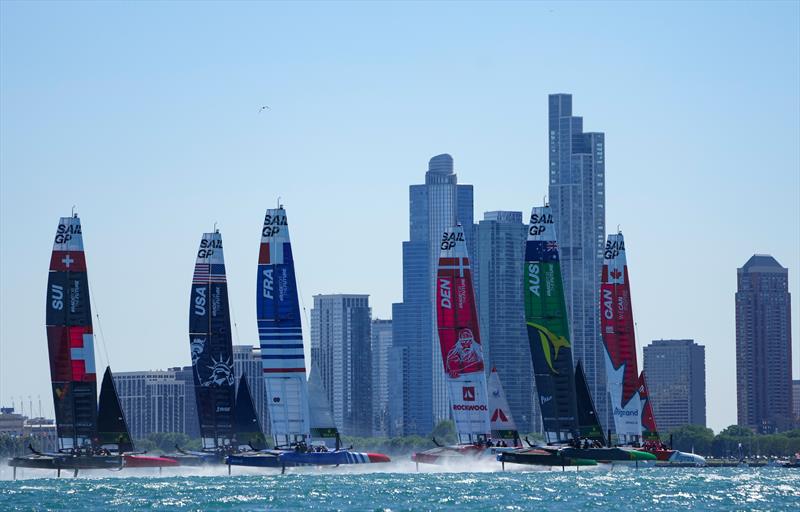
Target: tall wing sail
[[280, 332], [211, 344], [502, 423], [548, 328], [616, 323], [588, 423], [111, 424], [649, 428], [246, 424], [322, 424], [70, 340], [459, 338]]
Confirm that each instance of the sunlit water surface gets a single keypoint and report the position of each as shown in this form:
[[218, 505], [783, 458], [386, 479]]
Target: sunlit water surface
[[399, 487]]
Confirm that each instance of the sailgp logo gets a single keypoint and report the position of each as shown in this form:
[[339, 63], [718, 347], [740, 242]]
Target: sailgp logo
[[623, 413], [551, 344]]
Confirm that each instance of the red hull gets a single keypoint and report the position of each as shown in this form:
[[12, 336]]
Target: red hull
[[146, 461]]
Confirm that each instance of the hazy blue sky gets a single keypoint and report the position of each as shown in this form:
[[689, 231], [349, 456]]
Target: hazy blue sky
[[145, 116]]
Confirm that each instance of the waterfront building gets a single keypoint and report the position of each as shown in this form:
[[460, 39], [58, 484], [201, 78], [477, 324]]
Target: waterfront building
[[438, 204], [500, 248], [796, 401], [676, 379], [577, 198], [153, 401], [763, 345], [192, 423], [380, 345], [340, 347], [247, 361]]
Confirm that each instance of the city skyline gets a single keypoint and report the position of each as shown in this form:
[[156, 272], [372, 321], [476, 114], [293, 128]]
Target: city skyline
[[143, 157]]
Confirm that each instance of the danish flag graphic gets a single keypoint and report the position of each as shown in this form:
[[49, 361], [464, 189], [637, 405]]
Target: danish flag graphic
[[468, 393], [498, 413]]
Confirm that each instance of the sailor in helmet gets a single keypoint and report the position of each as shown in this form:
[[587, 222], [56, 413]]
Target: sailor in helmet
[[465, 356]]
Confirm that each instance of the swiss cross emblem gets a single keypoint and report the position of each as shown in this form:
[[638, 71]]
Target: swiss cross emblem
[[468, 393]]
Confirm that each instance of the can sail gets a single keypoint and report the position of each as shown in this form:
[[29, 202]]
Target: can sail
[[112, 427], [504, 428], [280, 332], [616, 323], [588, 423], [70, 340], [246, 424], [649, 428], [211, 344], [548, 328], [459, 338]]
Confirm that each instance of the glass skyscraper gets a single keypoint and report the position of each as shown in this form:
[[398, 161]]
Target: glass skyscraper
[[433, 207], [500, 243], [577, 197]]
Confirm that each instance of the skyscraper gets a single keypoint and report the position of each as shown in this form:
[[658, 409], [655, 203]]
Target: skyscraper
[[152, 401], [340, 345], [500, 244], [763, 345], [433, 207], [381, 345], [577, 197], [676, 379]]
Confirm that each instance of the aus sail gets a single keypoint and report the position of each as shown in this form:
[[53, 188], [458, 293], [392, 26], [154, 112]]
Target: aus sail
[[548, 328], [459, 338], [70, 339], [211, 344], [616, 323], [280, 332]]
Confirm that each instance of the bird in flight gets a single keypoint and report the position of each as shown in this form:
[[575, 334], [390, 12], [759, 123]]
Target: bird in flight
[[263, 109]]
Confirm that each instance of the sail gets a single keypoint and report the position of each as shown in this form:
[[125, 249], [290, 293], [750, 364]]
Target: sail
[[111, 424], [211, 345], [616, 323], [588, 423], [322, 424], [459, 338], [70, 340], [501, 421], [280, 332], [548, 328], [649, 429], [245, 419]]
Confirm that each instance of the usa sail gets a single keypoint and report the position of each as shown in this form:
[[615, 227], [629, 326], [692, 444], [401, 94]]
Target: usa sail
[[459, 339], [211, 344], [280, 332], [649, 429], [504, 428], [70, 340], [548, 328], [616, 323]]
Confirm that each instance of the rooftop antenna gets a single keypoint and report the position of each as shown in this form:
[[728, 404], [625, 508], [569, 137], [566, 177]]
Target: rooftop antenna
[[544, 200], [619, 231], [73, 211], [215, 227], [279, 203]]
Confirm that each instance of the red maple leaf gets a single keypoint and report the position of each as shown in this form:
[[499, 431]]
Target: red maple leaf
[[616, 273]]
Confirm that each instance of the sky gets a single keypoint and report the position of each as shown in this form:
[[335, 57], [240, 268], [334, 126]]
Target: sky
[[145, 117]]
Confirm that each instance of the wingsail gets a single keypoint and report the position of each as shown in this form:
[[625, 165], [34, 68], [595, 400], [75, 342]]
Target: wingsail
[[588, 422], [616, 323], [459, 338], [649, 428], [322, 425], [112, 426], [504, 428], [246, 424]]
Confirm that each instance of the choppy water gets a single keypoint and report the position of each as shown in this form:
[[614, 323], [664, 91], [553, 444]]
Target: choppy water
[[399, 487]]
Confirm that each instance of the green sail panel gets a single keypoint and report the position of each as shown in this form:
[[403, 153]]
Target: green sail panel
[[548, 328]]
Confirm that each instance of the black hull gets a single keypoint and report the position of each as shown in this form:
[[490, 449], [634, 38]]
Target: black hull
[[68, 462], [539, 457]]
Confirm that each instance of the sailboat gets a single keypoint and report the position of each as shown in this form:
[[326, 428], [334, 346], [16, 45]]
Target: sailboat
[[114, 435], [462, 354], [246, 425], [72, 370], [283, 360], [502, 424], [551, 353], [323, 428], [633, 413]]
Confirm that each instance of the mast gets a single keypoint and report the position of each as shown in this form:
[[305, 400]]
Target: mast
[[459, 339], [548, 328], [211, 344], [280, 332], [649, 428], [70, 340], [616, 323], [502, 422]]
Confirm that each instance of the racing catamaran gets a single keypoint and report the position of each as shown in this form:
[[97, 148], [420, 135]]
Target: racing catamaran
[[283, 360], [551, 352], [504, 428], [72, 371], [462, 353]]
